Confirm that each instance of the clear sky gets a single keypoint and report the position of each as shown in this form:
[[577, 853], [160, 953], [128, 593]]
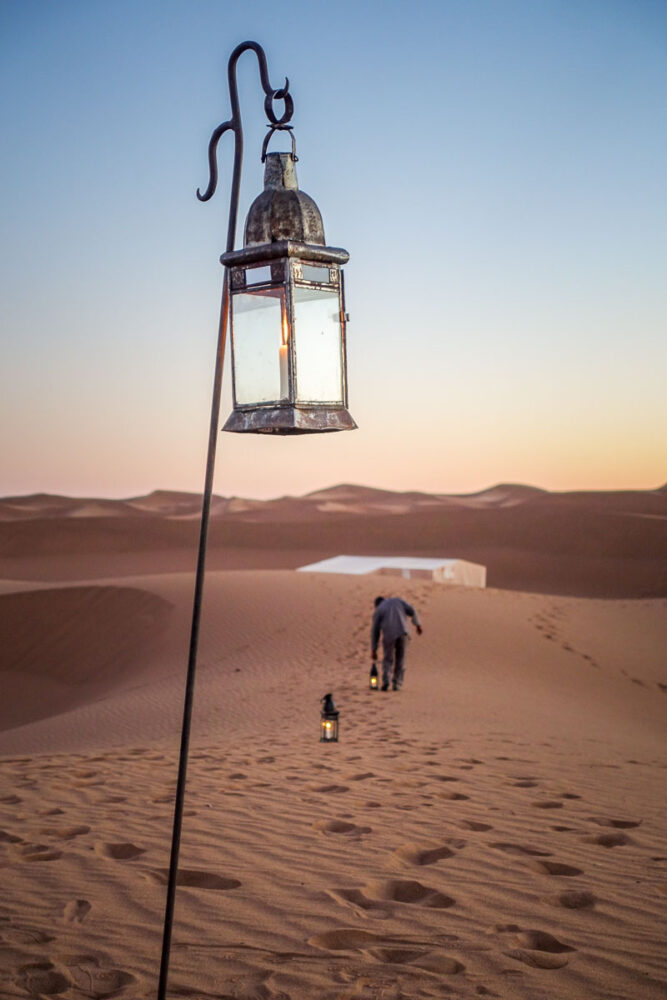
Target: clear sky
[[496, 169]]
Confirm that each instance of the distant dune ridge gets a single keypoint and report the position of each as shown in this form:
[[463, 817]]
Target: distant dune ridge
[[597, 544], [496, 828]]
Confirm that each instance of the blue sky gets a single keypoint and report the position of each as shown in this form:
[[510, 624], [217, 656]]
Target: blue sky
[[495, 169]]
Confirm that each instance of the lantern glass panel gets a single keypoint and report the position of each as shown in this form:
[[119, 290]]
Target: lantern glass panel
[[318, 343], [329, 730], [258, 275], [257, 339], [310, 272]]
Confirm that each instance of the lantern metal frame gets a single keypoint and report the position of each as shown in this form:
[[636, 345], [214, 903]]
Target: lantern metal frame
[[288, 262]]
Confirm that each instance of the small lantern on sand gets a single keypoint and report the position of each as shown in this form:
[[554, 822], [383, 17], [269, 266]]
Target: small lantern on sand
[[328, 720], [373, 682]]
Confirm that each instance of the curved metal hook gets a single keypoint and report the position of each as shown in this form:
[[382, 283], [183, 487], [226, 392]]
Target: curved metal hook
[[212, 160], [234, 123]]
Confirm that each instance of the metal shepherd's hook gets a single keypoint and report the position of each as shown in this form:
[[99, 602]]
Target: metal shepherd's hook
[[234, 125]]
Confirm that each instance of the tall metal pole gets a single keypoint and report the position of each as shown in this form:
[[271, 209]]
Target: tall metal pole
[[234, 125]]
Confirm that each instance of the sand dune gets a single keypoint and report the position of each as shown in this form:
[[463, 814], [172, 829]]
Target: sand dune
[[609, 545], [496, 828], [70, 646]]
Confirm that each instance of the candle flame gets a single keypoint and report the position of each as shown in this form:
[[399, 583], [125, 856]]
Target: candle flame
[[285, 326]]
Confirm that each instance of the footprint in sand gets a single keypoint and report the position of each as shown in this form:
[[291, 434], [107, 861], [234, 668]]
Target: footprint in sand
[[419, 854], [453, 796], [10, 800], [42, 979], [557, 868], [193, 879], [472, 824], [124, 851], [406, 891], [540, 950], [76, 911], [9, 838], [439, 964], [616, 839], [547, 804], [574, 899], [386, 950], [93, 978], [521, 850], [68, 833], [346, 939], [330, 789], [618, 824], [340, 826], [361, 904], [395, 956], [418, 957], [37, 852], [24, 935]]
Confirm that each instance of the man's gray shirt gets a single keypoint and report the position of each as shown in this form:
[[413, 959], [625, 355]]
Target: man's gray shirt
[[391, 618]]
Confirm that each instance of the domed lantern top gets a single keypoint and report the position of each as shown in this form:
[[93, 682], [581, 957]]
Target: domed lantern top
[[282, 211], [287, 314]]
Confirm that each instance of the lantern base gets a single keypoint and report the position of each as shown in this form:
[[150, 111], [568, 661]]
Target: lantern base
[[289, 420]]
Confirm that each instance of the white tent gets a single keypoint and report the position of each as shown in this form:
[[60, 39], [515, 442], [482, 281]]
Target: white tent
[[458, 571]]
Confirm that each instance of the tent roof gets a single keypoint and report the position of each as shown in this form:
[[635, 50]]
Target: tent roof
[[368, 564]]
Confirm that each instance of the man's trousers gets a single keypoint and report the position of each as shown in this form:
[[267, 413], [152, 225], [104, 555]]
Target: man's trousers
[[394, 657]]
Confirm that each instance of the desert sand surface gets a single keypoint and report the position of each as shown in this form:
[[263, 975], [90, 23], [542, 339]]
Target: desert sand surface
[[496, 828]]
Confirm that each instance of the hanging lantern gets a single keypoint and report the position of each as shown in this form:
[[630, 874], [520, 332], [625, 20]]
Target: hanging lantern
[[288, 316], [328, 720], [374, 680]]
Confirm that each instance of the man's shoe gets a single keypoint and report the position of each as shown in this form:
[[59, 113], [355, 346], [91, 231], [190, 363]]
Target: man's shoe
[[385, 687]]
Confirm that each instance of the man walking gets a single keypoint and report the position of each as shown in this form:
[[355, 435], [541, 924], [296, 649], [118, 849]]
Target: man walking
[[391, 619]]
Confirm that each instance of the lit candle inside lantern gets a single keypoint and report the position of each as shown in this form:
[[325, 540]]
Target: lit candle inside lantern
[[283, 358]]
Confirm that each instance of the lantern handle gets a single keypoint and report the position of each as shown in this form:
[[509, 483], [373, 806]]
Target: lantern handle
[[234, 125], [279, 128]]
